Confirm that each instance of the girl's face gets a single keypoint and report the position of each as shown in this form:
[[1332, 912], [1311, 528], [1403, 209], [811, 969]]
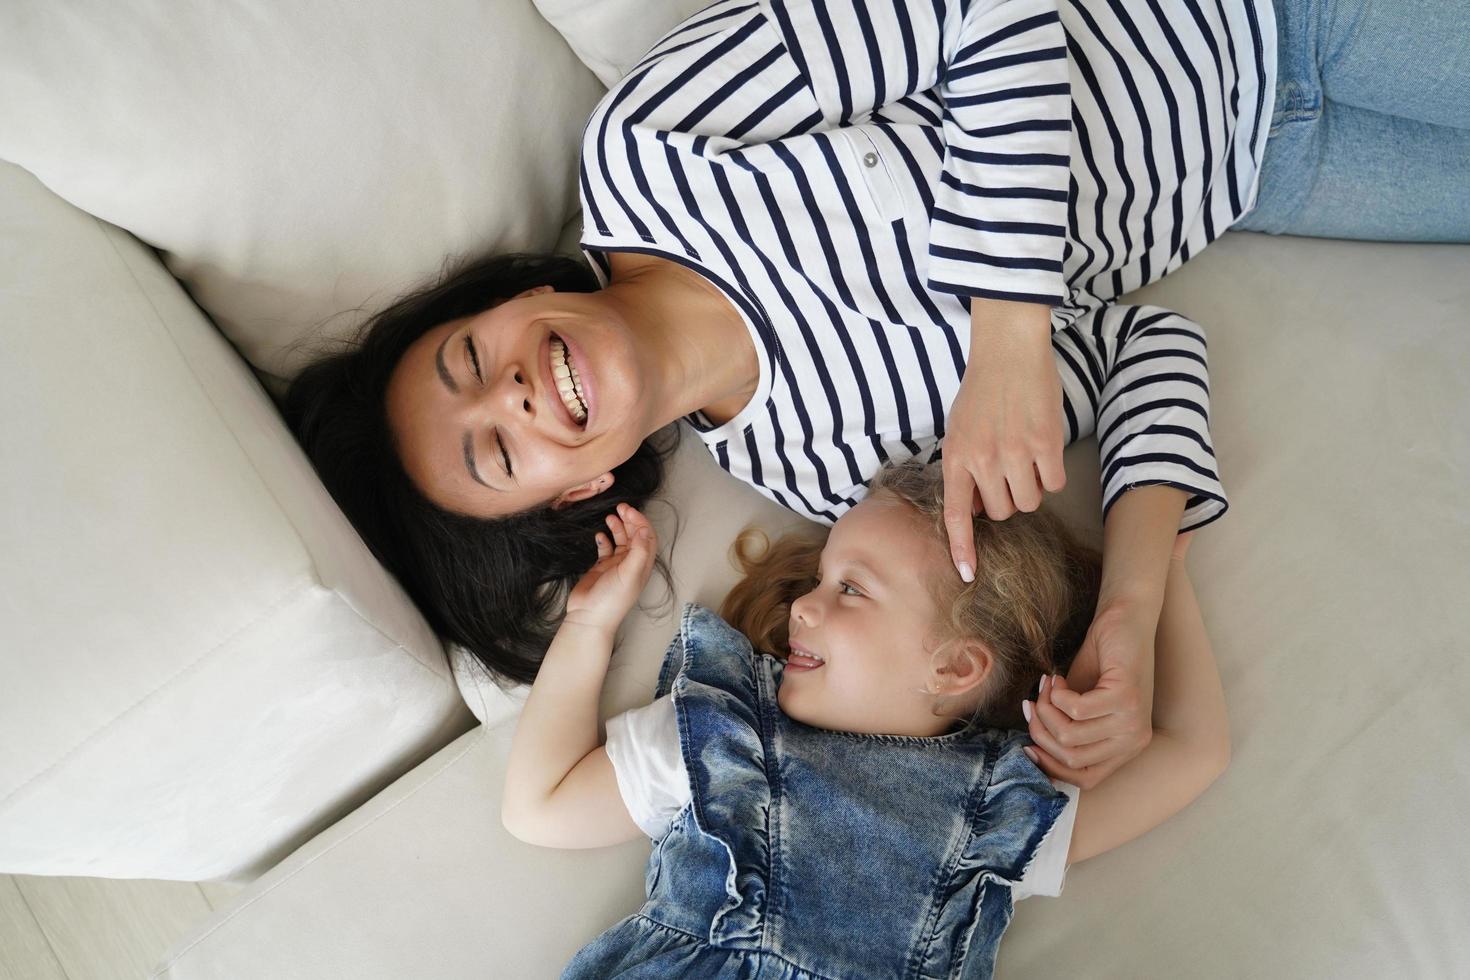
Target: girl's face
[[872, 620], [481, 425]]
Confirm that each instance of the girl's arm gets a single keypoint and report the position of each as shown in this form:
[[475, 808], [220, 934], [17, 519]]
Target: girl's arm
[[560, 790], [1190, 747]]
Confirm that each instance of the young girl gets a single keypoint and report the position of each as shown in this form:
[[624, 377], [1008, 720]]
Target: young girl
[[851, 798]]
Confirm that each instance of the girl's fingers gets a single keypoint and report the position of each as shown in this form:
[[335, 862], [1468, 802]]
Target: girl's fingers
[[619, 531], [603, 547]]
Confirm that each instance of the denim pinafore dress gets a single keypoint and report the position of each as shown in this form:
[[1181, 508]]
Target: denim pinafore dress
[[808, 853]]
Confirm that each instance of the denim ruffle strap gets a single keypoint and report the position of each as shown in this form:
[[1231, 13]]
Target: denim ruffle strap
[[715, 677]]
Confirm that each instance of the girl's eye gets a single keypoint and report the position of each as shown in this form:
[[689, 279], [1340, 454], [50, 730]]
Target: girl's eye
[[845, 585], [474, 358]]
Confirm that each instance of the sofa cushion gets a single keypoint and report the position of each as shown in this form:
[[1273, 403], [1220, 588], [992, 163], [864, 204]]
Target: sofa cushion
[[303, 161], [1334, 595], [611, 36], [201, 664]]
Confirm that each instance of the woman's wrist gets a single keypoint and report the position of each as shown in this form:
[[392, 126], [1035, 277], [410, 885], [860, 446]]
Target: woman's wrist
[[1138, 538], [1008, 321]]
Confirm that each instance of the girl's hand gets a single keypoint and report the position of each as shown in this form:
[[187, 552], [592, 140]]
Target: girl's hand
[[1004, 437], [1083, 738], [603, 596]]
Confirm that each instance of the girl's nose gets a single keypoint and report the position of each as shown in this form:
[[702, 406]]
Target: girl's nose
[[805, 611]]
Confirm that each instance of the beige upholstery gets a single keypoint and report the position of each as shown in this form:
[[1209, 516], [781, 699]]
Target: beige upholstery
[[201, 665], [1334, 846], [298, 163]]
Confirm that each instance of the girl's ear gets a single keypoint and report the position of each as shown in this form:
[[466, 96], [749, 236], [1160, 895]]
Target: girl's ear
[[962, 667]]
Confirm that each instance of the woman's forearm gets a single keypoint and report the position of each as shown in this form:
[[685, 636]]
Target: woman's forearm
[[559, 724], [1138, 537]]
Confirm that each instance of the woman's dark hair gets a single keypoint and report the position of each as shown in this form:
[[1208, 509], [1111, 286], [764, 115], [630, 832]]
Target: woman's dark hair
[[495, 586]]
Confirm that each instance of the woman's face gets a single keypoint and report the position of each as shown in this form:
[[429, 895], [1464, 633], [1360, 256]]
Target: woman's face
[[481, 424], [872, 620]]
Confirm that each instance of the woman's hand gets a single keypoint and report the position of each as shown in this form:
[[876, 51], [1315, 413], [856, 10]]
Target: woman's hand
[[602, 597], [1083, 738], [1004, 437]]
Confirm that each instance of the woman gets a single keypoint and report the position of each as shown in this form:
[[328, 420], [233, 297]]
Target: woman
[[826, 238]]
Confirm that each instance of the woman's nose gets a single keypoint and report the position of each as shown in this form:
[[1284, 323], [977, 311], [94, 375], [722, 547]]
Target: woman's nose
[[511, 397]]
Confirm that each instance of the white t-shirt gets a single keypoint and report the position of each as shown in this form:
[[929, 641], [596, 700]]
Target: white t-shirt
[[643, 745]]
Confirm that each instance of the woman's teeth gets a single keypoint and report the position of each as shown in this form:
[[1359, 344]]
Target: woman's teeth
[[568, 384]]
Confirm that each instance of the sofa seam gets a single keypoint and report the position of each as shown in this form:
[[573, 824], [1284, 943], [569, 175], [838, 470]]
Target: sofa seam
[[295, 590], [280, 509], [164, 967]]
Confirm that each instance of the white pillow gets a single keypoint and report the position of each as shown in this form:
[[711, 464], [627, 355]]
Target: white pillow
[[611, 36], [294, 161]]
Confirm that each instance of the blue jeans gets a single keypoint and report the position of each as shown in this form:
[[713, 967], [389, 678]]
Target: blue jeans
[[1370, 134]]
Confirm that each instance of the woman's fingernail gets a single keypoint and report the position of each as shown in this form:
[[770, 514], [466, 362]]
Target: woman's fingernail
[[1026, 710], [966, 572]]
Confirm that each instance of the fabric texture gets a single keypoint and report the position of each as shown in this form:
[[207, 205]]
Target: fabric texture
[[643, 744], [299, 165], [843, 194], [929, 834], [1370, 133], [200, 661]]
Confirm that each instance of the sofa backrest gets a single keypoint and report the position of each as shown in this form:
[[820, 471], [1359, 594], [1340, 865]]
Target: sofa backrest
[[299, 165]]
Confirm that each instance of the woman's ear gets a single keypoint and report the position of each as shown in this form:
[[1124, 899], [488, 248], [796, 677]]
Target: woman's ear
[[591, 488], [533, 291], [961, 667]]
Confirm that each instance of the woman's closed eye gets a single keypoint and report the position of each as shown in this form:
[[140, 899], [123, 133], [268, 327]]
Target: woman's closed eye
[[504, 456], [474, 357]]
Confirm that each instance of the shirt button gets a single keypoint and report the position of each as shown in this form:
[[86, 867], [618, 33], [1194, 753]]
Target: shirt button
[[870, 159]]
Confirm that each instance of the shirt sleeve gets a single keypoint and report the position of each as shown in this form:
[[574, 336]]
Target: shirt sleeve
[[1048, 869], [999, 68], [1000, 212], [1139, 377], [740, 73], [643, 745]]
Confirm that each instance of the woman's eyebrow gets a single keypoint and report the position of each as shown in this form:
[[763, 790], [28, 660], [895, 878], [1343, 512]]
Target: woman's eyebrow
[[444, 374]]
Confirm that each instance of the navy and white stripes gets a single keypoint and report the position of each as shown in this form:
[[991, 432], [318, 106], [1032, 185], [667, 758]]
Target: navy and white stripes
[[849, 173]]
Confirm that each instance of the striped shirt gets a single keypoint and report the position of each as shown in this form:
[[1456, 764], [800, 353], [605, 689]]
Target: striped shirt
[[849, 173]]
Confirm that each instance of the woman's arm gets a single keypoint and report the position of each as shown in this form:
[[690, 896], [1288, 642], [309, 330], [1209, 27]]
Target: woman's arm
[[1191, 735], [560, 790], [1151, 413]]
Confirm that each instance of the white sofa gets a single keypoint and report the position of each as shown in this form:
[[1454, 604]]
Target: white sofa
[[203, 674]]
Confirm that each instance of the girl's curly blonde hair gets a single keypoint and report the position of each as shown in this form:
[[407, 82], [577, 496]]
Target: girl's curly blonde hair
[[1031, 603]]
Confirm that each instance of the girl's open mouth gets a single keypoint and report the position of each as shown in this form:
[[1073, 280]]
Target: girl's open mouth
[[801, 661]]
